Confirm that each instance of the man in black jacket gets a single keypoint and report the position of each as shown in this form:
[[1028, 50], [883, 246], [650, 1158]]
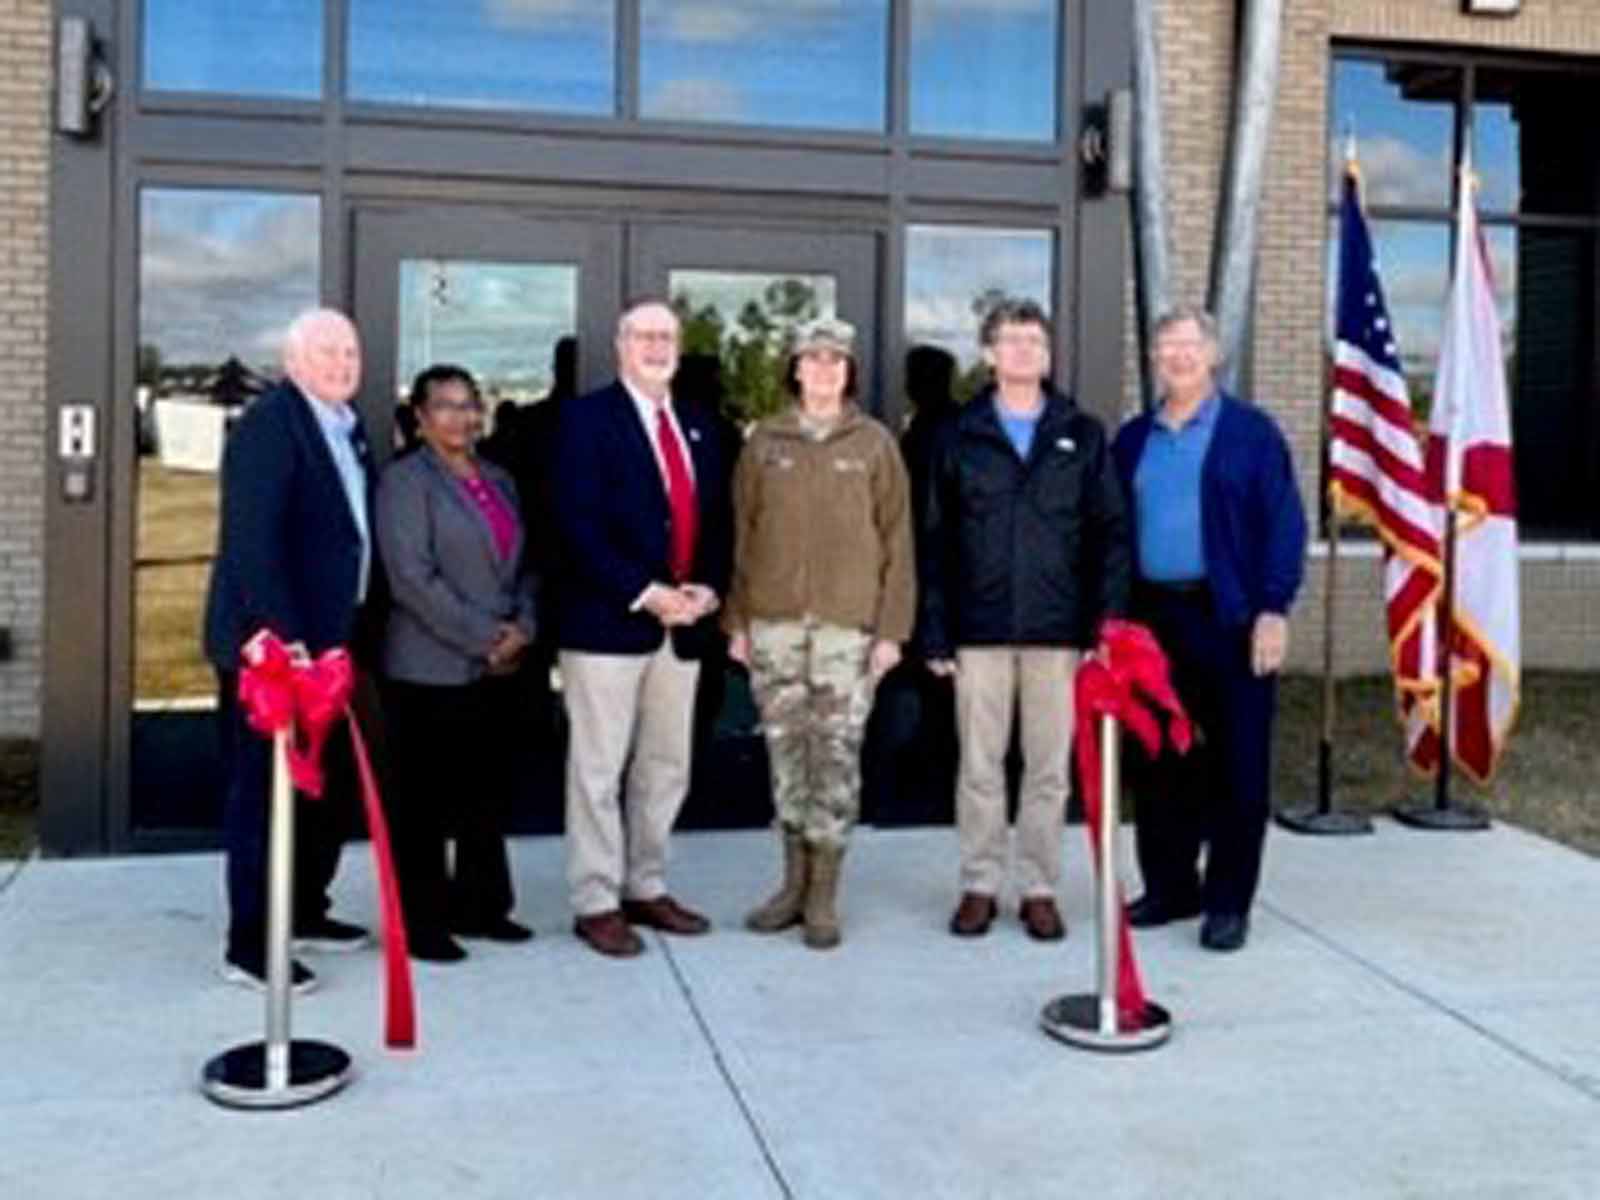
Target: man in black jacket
[[1024, 550]]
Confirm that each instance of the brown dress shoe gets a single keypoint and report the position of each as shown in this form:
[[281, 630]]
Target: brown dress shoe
[[973, 915], [1042, 919], [666, 914], [609, 934]]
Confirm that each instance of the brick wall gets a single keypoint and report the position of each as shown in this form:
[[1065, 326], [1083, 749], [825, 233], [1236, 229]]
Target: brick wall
[[1561, 593], [24, 182]]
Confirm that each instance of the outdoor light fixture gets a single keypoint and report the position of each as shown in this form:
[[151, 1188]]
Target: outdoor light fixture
[[1491, 8], [83, 81]]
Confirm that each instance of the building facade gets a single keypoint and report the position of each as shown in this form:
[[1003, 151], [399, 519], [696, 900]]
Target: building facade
[[486, 182]]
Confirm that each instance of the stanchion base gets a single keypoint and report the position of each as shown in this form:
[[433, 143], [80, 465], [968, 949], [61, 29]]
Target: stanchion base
[[1076, 1021], [1431, 816], [237, 1078], [1327, 824]]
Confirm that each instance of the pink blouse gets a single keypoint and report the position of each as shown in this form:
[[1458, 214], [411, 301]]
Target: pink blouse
[[502, 521]]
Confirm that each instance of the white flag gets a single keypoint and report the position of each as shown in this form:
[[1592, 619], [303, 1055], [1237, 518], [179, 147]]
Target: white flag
[[1470, 468]]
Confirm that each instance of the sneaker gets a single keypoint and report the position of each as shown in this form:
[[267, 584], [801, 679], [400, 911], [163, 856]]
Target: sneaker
[[253, 975], [330, 936]]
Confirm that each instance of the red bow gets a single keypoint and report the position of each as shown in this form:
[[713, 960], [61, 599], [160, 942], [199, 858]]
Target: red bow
[[1126, 675], [284, 690]]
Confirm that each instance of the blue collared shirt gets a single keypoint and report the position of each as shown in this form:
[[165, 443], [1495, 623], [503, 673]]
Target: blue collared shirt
[[1167, 492], [338, 425]]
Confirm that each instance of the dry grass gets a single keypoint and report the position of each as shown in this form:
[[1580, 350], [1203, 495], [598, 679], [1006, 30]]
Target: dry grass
[[1548, 782], [19, 795], [177, 527]]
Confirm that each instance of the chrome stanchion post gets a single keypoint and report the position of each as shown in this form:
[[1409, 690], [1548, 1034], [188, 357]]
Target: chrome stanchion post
[[1093, 1022], [277, 1072], [280, 886], [1106, 925]]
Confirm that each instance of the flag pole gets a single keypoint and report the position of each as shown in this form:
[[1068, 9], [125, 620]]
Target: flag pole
[[1442, 814], [1322, 819]]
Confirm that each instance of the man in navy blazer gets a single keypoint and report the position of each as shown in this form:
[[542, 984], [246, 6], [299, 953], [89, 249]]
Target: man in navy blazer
[[1220, 535], [294, 555], [643, 514]]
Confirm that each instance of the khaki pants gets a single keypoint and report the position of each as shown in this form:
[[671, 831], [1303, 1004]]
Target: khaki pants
[[623, 707], [991, 683]]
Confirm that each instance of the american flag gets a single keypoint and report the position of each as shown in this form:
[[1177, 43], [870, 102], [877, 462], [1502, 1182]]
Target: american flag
[[1377, 475]]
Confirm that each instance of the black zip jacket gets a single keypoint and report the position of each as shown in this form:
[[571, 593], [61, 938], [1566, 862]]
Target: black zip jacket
[[1020, 553]]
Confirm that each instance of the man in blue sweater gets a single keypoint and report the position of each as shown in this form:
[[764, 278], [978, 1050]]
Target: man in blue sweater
[[1220, 539]]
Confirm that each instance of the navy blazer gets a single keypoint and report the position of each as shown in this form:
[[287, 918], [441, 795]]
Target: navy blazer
[[614, 524], [1252, 523], [288, 547]]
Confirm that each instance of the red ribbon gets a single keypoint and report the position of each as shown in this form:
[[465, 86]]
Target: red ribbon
[[1126, 675], [283, 689]]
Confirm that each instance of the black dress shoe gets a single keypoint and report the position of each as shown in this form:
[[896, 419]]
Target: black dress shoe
[[1224, 932], [500, 929], [436, 948], [1149, 911]]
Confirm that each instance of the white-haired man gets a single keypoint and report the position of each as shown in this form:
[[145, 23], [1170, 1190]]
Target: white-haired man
[[294, 555]]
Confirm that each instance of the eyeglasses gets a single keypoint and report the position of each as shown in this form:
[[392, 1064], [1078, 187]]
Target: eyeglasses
[[458, 407]]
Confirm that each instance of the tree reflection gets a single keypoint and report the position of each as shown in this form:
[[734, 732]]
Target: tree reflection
[[751, 348]]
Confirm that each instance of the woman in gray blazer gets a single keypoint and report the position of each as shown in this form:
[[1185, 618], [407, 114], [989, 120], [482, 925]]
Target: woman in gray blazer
[[452, 542]]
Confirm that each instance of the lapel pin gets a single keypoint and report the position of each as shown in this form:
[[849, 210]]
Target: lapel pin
[[694, 435], [1066, 444]]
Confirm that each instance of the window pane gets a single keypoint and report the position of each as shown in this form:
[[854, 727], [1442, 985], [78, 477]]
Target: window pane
[[819, 64], [511, 324], [1402, 116], [1555, 417], [984, 68], [955, 273], [1531, 154], [221, 275], [265, 48], [527, 54], [736, 325]]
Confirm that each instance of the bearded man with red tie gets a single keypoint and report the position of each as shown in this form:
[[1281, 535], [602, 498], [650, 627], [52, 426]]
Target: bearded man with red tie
[[642, 509]]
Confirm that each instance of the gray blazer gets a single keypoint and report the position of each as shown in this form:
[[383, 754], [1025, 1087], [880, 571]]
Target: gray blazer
[[451, 590]]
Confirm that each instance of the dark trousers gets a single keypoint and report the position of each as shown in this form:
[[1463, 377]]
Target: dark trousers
[[321, 825], [1217, 795], [450, 752]]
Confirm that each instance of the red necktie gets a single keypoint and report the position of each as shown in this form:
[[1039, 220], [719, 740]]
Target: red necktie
[[680, 496]]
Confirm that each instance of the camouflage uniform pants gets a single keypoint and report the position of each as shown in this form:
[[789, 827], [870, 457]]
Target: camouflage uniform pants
[[811, 683]]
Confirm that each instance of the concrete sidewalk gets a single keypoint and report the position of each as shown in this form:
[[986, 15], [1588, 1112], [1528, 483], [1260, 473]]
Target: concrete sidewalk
[[1416, 1015]]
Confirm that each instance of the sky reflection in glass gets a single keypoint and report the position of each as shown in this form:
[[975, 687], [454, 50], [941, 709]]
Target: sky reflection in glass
[[954, 271], [264, 48], [222, 273], [538, 55], [984, 68], [818, 64], [499, 320], [1404, 146]]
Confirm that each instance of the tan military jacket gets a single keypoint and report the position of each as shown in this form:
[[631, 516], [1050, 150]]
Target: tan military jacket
[[822, 528]]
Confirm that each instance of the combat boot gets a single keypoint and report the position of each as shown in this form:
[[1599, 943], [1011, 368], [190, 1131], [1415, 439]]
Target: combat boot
[[787, 904], [822, 893]]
